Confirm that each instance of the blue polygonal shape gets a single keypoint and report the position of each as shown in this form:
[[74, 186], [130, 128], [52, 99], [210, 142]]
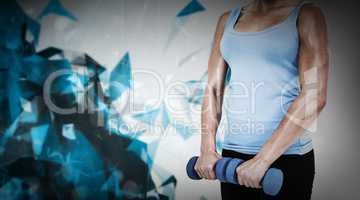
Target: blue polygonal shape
[[198, 91], [83, 165], [152, 148], [9, 133], [13, 189], [112, 184], [34, 27], [37, 69], [219, 145], [79, 59], [170, 181], [197, 96], [56, 7], [148, 117], [165, 117], [12, 102], [38, 135], [189, 57], [141, 150], [193, 7], [12, 22], [68, 131], [30, 116], [52, 148], [120, 78], [29, 90], [92, 65], [228, 76]]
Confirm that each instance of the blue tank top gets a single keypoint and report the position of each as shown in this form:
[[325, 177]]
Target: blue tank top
[[264, 83]]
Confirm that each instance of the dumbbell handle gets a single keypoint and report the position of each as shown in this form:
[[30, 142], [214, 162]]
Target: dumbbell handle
[[225, 170]]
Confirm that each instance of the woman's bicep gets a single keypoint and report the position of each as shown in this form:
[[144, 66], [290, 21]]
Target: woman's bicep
[[217, 66], [314, 55]]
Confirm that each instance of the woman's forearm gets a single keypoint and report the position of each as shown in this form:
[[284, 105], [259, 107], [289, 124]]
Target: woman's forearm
[[211, 107], [299, 117], [210, 119]]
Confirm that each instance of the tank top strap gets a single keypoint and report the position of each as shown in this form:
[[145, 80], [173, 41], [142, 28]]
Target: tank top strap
[[232, 18]]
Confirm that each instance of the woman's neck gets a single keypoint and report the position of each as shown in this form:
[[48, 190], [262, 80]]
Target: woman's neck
[[266, 5]]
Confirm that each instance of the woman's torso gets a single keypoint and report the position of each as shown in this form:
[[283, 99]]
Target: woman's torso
[[264, 83]]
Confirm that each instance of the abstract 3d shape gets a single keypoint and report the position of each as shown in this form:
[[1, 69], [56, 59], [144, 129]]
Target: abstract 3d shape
[[55, 7], [120, 78], [193, 7]]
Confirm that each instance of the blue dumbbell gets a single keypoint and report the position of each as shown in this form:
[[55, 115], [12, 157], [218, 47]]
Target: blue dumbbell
[[225, 171]]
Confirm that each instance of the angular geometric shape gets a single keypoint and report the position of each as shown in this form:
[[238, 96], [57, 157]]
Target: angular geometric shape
[[141, 150], [170, 180], [13, 189], [193, 7], [38, 135], [30, 114], [148, 117], [197, 97], [190, 56], [162, 174], [91, 64], [219, 146], [167, 187], [29, 89], [165, 117], [120, 78], [34, 27], [112, 184], [228, 76], [56, 7], [9, 133], [198, 91], [37, 69], [49, 52], [68, 131], [13, 23], [152, 148], [13, 93]]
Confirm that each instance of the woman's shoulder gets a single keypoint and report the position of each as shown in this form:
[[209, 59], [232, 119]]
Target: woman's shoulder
[[311, 10], [226, 16], [311, 13], [312, 24]]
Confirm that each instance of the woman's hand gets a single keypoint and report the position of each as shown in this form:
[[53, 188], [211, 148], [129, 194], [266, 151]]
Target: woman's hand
[[251, 172], [205, 165]]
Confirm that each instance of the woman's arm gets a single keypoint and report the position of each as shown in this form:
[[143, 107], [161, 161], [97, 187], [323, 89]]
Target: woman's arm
[[212, 103], [313, 69]]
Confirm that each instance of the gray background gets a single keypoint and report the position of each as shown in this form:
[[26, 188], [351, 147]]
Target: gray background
[[107, 29]]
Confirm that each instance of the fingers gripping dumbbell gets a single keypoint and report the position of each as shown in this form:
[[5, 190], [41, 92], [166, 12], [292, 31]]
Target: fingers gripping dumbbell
[[225, 171]]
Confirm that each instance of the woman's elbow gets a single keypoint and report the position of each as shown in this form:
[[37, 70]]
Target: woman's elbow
[[322, 104], [213, 89]]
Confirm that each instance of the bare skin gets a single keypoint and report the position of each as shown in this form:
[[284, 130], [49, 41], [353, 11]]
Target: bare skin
[[313, 62]]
